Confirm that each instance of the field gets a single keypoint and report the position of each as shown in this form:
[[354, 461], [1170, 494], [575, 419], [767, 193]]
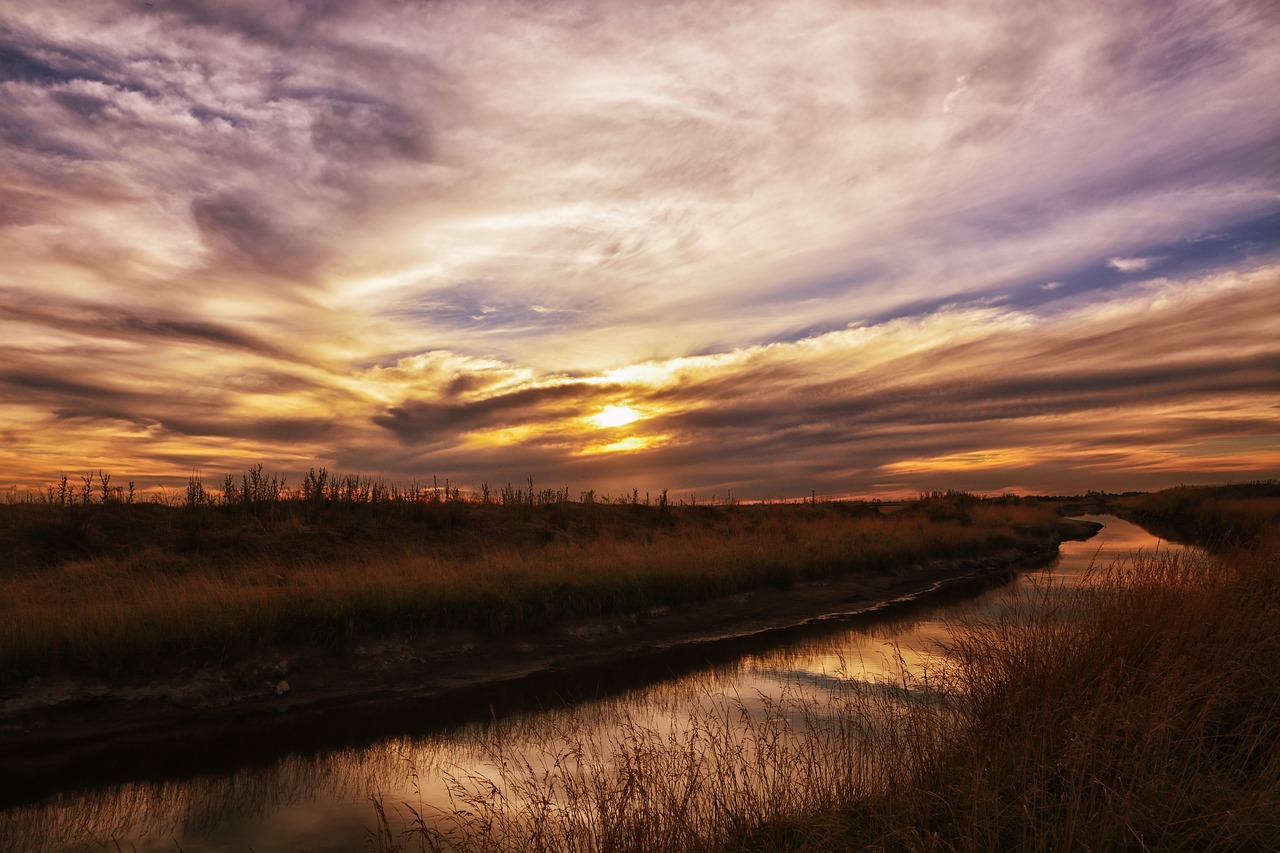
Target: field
[[1219, 517], [1140, 712], [95, 584]]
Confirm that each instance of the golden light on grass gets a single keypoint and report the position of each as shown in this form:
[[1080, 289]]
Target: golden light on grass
[[615, 416]]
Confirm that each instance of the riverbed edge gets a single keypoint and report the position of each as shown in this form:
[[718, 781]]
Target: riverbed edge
[[61, 727]]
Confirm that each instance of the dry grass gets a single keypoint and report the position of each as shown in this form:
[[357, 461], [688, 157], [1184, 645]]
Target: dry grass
[[1215, 516], [115, 588], [1140, 712]]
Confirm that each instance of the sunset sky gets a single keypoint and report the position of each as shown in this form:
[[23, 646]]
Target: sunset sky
[[857, 248]]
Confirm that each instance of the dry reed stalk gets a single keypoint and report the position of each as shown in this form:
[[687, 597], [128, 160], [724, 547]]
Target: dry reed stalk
[[1140, 711]]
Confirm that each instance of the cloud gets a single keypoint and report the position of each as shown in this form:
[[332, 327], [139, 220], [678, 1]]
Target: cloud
[[1127, 265], [34, 383], [968, 397], [244, 229], [106, 322], [445, 421], [816, 233], [861, 405]]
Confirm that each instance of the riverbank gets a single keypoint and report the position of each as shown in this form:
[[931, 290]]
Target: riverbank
[[1134, 708], [1220, 518], [119, 591], [311, 696]]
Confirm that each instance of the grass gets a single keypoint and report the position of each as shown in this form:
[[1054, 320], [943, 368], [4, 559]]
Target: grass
[[1214, 516], [1143, 714], [1140, 711], [95, 584]]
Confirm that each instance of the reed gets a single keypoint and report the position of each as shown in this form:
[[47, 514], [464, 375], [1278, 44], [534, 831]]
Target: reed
[[1213, 516], [1138, 712], [112, 588]]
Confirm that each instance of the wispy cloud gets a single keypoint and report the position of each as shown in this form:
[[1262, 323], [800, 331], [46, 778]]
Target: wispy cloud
[[431, 238], [1127, 265]]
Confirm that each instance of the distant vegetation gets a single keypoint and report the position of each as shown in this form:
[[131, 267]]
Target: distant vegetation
[[93, 583], [1215, 516], [1141, 712]]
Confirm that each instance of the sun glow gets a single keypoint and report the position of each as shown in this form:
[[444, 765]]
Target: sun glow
[[977, 460], [634, 442], [616, 416], [630, 444], [504, 437]]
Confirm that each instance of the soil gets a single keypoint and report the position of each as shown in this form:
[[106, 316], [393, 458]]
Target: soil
[[299, 698]]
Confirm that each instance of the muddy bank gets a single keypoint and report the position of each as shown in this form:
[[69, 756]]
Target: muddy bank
[[61, 732]]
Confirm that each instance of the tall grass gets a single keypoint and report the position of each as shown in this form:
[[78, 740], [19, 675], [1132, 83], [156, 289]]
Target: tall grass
[[1138, 712], [117, 588], [1214, 516]]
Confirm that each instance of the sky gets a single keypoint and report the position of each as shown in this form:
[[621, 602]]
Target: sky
[[750, 249]]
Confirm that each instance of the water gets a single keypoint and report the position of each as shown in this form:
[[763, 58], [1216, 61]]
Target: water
[[321, 802]]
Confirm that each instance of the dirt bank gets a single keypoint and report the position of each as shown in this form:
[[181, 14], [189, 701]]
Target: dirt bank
[[299, 698]]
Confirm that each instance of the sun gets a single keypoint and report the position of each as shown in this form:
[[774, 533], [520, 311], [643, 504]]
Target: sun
[[616, 416]]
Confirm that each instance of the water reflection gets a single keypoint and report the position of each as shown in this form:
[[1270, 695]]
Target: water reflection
[[321, 803]]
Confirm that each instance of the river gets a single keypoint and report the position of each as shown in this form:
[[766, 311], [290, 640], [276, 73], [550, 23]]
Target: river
[[321, 803]]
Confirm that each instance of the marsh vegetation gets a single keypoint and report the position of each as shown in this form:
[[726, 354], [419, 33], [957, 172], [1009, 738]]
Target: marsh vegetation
[[92, 583], [1136, 710]]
